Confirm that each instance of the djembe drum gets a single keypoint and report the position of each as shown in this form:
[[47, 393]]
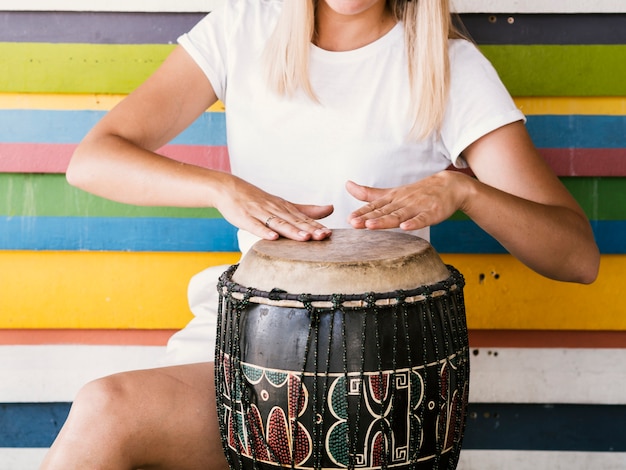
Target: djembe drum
[[346, 353]]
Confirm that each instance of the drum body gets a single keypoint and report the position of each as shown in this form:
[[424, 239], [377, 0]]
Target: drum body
[[372, 379]]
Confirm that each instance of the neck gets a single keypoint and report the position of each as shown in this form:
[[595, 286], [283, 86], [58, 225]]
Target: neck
[[335, 31]]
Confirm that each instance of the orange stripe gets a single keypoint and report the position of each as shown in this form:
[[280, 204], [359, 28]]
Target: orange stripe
[[547, 339], [478, 338], [28, 337]]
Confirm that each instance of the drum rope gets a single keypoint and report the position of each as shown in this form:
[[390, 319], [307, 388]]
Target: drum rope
[[435, 312]]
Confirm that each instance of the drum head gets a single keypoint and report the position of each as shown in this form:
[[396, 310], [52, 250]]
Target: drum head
[[349, 262]]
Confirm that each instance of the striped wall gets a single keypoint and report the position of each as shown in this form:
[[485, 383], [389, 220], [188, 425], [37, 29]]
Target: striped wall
[[89, 287]]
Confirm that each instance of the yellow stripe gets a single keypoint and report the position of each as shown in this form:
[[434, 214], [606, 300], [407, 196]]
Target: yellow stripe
[[51, 101], [99, 290], [148, 290], [530, 106], [572, 105], [502, 293]]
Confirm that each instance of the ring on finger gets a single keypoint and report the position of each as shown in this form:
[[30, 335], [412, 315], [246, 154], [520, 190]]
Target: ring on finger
[[269, 220]]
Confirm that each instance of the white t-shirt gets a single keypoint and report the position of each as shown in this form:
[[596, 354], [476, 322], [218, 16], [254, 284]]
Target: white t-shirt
[[305, 151]]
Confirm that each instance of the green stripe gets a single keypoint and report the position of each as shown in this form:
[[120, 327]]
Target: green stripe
[[77, 68], [527, 70], [50, 195], [552, 70]]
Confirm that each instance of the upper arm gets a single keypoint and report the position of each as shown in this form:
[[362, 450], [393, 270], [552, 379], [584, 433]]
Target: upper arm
[[163, 106], [506, 159]]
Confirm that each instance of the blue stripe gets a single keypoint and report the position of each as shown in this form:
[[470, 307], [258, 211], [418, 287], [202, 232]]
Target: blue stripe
[[208, 235], [582, 428], [577, 131], [69, 127], [117, 234]]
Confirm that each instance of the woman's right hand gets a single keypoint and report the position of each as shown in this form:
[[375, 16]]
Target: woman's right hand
[[265, 215]]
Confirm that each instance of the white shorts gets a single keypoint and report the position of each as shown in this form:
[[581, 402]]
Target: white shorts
[[196, 341]]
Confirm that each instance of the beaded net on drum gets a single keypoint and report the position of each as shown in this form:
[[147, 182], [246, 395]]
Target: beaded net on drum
[[371, 381]]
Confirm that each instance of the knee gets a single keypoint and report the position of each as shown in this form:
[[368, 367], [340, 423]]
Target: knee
[[103, 402]]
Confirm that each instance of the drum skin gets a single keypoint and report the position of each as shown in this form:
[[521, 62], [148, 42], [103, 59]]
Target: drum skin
[[376, 379]]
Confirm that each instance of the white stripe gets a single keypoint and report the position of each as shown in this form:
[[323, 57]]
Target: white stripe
[[462, 6], [502, 375], [535, 460], [21, 459], [525, 375], [27, 459], [56, 373]]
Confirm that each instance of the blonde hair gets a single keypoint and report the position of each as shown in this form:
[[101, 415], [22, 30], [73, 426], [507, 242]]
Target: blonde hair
[[427, 27]]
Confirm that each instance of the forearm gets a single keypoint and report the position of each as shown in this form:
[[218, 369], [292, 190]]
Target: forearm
[[113, 168], [555, 241]]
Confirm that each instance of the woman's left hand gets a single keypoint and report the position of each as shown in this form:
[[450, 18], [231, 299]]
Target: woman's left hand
[[410, 207]]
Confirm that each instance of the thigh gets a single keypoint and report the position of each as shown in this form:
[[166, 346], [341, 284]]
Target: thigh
[[177, 417]]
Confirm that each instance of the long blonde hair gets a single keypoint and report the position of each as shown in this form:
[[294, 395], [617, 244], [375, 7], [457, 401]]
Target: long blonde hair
[[427, 27]]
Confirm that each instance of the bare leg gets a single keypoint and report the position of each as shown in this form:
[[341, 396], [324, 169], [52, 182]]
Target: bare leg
[[157, 418]]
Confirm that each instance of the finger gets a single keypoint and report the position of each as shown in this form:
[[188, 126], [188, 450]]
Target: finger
[[364, 193], [297, 229]]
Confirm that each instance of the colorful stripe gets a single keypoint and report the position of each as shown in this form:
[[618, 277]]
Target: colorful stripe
[[54, 158], [99, 290], [112, 290], [534, 70], [481, 6], [165, 234], [490, 426]]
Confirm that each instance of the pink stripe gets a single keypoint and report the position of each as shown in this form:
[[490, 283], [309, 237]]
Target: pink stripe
[[54, 158]]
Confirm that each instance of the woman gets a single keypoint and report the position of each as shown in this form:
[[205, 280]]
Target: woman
[[344, 110]]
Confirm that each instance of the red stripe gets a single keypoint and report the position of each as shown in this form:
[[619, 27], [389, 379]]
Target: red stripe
[[54, 158], [586, 162], [478, 338], [547, 339], [26, 337]]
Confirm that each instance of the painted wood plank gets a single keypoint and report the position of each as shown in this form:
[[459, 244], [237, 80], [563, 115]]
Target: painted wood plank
[[90, 337], [484, 339], [576, 428], [601, 198], [553, 70], [536, 70], [547, 339], [559, 105], [164, 28], [69, 127], [95, 27], [54, 158], [102, 102], [54, 373], [527, 29], [50, 195], [21, 458], [538, 460], [166, 234], [96, 290], [491, 6], [99, 290], [593, 428], [17, 458], [555, 375], [77, 68]]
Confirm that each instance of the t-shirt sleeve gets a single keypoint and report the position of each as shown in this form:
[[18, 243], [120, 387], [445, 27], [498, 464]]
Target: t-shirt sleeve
[[478, 104], [206, 43]]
